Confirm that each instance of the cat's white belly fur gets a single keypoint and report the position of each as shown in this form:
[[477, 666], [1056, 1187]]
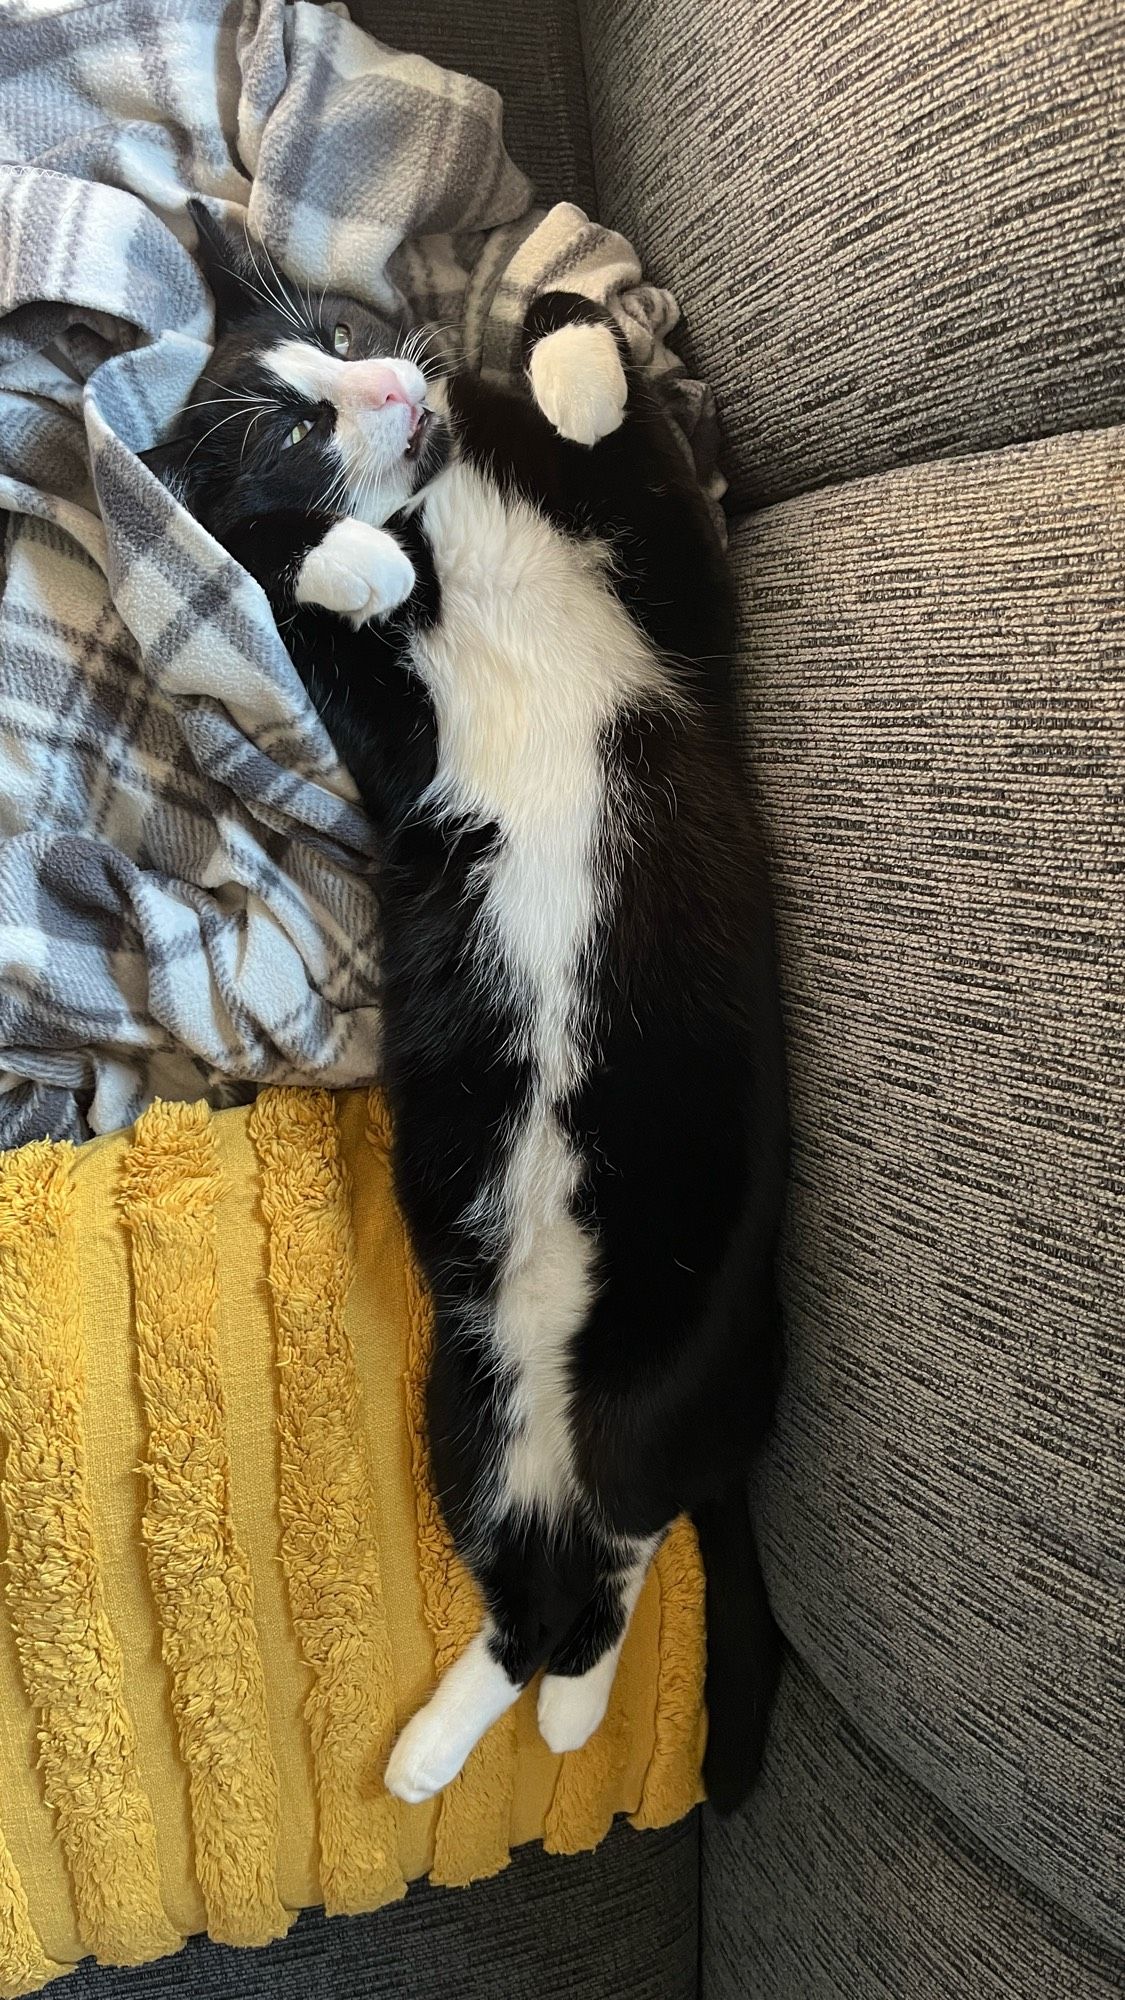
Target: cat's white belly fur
[[529, 662]]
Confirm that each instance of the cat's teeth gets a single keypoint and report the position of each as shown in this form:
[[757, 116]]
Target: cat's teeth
[[419, 429]]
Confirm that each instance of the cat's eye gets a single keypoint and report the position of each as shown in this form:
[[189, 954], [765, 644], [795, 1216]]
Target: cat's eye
[[342, 340], [299, 431]]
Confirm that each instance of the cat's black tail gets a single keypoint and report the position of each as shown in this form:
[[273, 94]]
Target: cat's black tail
[[743, 1649]]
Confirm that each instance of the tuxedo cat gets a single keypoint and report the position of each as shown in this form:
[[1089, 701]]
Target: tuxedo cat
[[512, 612]]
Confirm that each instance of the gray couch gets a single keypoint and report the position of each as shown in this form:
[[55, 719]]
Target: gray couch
[[897, 233]]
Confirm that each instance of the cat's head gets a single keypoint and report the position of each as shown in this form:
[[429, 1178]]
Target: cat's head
[[311, 403]]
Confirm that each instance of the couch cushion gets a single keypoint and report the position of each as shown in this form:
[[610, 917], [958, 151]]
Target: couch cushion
[[621, 1921], [531, 55], [939, 740], [842, 1880], [896, 230]]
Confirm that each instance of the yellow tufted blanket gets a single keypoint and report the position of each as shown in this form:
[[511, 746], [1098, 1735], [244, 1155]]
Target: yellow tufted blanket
[[227, 1582]]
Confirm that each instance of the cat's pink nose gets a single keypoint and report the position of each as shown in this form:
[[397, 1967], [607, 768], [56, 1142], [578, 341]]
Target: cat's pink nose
[[375, 385]]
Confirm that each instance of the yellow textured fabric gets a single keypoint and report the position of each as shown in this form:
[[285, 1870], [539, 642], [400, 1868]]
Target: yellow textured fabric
[[227, 1582], [71, 1661], [328, 1542], [170, 1187], [24, 1967]]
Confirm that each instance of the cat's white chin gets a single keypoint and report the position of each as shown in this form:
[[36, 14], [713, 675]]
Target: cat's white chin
[[376, 494]]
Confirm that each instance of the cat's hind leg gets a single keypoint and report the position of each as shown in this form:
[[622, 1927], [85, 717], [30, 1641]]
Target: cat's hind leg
[[574, 360], [475, 1692], [575, 1690], [534, 1588]]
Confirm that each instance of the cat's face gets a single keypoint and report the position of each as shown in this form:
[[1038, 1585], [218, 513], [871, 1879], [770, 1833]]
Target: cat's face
[[313, 403]]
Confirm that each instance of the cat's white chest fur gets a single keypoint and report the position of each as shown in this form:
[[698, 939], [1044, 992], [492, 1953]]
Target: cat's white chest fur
[[532, 653], [528, 663]]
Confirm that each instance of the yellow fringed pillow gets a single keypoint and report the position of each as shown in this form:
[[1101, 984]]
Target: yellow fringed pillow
[[227, 1583]]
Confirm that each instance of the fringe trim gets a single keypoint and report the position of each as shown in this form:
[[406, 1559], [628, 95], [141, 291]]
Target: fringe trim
[[672, 1783], [200, 1576], [587, 1790], [472, 1836], [24, 1966], [329, 1547], [70, 1657]]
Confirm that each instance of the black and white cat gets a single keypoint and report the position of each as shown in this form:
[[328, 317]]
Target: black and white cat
[[513, 615]]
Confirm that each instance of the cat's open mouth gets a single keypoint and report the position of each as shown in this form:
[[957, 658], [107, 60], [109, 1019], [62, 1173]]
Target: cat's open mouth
[[419, 434]]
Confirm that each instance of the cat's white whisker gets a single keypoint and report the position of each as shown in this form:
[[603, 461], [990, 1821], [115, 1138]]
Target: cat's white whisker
[[210, 433], [255, 419], [292, 295], [209, 402], [278, 297]]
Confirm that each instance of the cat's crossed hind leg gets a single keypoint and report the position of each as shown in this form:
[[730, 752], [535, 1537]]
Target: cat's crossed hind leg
[[575, 367], [575, 1690], [491, 1673]]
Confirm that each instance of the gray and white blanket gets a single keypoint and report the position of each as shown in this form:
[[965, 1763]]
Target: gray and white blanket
[[185, 876]]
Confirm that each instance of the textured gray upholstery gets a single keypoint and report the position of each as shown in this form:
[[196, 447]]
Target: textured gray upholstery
[[619, 1924], [935, 721], [895, 228], [843, 1881]]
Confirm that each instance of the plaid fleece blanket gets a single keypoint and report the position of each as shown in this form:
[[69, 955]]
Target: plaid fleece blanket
[[185, 877]]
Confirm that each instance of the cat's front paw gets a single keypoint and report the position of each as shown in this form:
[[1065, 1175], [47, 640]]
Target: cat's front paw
[[579, 383], [356, 571]]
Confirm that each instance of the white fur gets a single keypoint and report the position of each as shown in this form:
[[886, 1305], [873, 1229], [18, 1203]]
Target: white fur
[[368, 442], [579, 383], [572, 1706], [530, 660], [543, 1297], [473, 1695], [358, 571]]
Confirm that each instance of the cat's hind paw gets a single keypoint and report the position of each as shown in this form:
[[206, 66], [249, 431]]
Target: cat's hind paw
[[579, 382], [573, 1706], [426, 1758], [357, 571]]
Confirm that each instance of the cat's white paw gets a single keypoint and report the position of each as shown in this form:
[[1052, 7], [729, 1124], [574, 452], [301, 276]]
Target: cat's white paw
[[358, 571], [572, 1706], [579, 383], [473, 1694], [426, 1758]]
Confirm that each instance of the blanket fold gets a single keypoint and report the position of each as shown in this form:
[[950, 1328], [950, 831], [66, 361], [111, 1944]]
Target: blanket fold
[[186, 906]]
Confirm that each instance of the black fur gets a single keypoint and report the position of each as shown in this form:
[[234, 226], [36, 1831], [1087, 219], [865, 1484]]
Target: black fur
[[681, 1119]]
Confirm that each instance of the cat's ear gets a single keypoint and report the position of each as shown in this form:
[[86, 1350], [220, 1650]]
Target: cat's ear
[[169, 461], [225, 259]]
